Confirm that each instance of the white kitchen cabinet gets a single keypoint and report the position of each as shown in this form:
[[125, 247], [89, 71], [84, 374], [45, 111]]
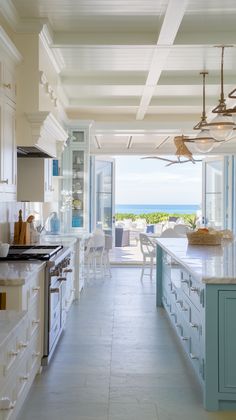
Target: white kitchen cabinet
[[75, 183], [21, 348], [9, 57], [34, 180]]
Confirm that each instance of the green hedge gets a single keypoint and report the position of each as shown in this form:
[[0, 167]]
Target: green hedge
[[152, 218]]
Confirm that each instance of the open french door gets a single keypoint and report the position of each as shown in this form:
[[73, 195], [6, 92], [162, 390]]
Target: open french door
[[102, 193]]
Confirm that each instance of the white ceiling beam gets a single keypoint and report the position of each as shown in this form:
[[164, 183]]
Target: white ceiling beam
[[172, 20]]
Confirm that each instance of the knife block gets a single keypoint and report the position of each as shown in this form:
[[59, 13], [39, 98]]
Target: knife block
[[21, 233]]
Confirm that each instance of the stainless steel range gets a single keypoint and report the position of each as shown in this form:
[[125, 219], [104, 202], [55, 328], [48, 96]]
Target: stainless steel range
[[58, 271]]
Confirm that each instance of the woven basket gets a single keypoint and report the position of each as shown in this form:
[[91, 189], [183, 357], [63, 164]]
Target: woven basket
[[197, 238]]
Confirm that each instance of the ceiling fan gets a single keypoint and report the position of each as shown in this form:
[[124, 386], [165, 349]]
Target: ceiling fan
[[183, 154]]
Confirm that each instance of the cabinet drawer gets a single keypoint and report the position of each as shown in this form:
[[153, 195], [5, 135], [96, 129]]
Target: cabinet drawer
[[34, 351], [8, 394], [34, 317], [33, 291], [196, 293], [22, 376]]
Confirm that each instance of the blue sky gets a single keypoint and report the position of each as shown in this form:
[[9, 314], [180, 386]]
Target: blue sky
[[140, 181]]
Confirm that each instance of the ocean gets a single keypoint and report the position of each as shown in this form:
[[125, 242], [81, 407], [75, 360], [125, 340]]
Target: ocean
[[152, 208]]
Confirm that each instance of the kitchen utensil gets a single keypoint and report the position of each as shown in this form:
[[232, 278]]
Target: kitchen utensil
[[4, 249]]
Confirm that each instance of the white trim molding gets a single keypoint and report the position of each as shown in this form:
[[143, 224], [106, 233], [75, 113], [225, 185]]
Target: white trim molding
[[8, 46]]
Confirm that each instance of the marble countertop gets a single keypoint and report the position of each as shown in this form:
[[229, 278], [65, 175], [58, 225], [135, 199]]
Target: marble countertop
[[8, 321], [209, 264], [62, 239], [17, 273]]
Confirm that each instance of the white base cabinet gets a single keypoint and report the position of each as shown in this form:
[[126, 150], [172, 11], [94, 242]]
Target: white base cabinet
[[21, 350]]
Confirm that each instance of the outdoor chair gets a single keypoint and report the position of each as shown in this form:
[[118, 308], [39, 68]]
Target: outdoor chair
[[148, 249]]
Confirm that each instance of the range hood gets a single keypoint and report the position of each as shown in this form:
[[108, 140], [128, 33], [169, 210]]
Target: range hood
[[31, 151], [40, 134]]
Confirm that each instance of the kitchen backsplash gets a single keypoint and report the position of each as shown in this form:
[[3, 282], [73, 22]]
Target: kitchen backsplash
[[9, 214]]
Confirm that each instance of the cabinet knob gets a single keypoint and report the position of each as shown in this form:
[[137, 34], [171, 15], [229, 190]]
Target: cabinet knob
[[7, 85], [195, 289], [23, 345], [13, 353], [193, 356], [193, 325], [4, 181]]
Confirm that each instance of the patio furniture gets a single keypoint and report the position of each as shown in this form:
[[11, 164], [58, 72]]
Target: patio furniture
[[122, 237], [148, 249]]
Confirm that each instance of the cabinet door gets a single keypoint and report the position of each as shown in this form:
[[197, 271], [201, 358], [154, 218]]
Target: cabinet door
[[48, 184], [8, 149], [227, 341]]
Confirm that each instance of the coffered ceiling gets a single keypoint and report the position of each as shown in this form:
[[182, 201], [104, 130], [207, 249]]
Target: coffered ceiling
[[132, 66]]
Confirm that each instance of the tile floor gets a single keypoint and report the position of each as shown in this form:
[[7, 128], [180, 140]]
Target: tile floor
[[117, 360]]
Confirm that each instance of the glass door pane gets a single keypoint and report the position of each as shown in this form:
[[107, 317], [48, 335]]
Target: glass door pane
[[77, 189], [214, 193], [104, 196]]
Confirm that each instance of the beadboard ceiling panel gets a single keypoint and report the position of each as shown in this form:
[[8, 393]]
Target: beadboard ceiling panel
[[132, 66]]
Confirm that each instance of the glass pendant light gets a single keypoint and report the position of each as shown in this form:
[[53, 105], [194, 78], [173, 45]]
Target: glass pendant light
[[203, 143], [221, 127]]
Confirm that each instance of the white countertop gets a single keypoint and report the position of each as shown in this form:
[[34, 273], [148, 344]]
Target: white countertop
[[209, 264], [17, 273], [62, 239], [8, 321]]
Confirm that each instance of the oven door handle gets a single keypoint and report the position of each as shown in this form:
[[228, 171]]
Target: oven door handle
[[55, 290], [61, 279]]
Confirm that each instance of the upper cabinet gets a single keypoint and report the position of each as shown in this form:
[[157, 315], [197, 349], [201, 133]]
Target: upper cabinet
[[75, 181], [9, 57]]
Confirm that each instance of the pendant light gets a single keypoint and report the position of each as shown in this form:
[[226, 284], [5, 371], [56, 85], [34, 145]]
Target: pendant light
[[203, 143], [221, 127]]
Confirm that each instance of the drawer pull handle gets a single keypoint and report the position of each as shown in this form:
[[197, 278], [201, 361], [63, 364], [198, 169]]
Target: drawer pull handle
[[184, 338], [55, 290], [23, 345], [195, 289], [193, 325], [62, 279], [185, 282], [4, 181], [193, 356], [68, 270], [7, 85], [36, 289], [13, 353], [24, 378], [36, 354], [35, 321]]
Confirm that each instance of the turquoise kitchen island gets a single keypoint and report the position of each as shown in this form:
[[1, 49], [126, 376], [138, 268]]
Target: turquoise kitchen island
[[197, 287]]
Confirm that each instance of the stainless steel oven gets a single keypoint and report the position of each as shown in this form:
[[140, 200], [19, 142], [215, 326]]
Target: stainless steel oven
[[58, 272]]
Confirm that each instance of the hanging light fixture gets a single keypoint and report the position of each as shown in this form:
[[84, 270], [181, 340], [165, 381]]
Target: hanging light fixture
[[221, 127], [232, 111], [203, 143]]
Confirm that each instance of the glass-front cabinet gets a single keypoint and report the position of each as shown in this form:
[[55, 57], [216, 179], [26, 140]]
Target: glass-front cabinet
[[75, 182]]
